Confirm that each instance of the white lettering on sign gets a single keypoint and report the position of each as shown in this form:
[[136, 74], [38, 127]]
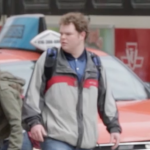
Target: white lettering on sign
[[132, 59]]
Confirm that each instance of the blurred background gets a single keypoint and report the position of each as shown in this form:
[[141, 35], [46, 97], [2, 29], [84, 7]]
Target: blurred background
[[118, 27], [88, 7]]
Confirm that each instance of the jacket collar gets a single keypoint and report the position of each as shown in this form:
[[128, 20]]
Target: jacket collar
[[82, 57], [63, 65]]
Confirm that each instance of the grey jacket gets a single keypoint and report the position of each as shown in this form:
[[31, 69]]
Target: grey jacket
[[68, 110]]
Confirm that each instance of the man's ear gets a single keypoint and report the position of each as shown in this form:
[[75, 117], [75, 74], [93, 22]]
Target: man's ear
[[83, 35]]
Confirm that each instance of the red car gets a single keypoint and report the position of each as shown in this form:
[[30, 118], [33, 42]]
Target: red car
[[131, 94]]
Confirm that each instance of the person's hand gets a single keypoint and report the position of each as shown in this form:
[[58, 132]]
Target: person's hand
[[115, 138], [38, 132]]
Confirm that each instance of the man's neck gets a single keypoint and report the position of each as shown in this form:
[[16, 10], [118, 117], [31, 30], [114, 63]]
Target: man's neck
[[78, 51]]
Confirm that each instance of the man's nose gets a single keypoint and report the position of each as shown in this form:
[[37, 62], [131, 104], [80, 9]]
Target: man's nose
[[63, 36]]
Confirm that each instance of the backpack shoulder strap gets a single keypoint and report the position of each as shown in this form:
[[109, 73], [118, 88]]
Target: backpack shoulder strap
[[97, 63], [101, 87], [50, 62], [96, 59]]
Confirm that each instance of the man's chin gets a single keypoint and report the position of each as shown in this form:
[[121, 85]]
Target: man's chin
[[65, 48]]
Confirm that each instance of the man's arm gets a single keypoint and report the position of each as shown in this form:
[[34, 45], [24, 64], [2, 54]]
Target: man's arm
[[107, 106], [33, 102], [12, 110]]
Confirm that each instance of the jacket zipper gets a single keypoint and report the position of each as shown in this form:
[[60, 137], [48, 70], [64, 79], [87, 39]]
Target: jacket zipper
[[80, 113], [79, 110]]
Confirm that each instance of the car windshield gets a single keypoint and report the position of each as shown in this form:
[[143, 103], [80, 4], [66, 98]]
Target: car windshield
[[21, 69], [125, 85]]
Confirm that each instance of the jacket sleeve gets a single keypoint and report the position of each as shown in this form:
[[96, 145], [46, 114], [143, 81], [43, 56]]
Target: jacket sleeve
[[33, 102], [107, 106], [12, 110]]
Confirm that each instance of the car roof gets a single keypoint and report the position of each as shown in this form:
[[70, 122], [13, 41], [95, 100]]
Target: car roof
[[11, 55]]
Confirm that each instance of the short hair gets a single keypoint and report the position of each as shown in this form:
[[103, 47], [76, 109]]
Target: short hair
[[78, 20]]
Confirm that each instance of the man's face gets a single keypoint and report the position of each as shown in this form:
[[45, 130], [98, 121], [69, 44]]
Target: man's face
[[70, 38]]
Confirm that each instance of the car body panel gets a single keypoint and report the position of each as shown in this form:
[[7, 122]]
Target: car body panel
[[8, 55], [134, 115], [134, 118]]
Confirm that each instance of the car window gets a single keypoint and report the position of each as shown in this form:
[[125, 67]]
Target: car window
[[21, 69], [125, 85]]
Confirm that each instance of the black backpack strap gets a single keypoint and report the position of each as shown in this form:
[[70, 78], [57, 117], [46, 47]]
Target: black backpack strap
[[101, 87], [97, 63], [50, 62]]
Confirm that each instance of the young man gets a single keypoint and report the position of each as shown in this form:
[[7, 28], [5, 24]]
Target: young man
[[10, 111], [65, 116]]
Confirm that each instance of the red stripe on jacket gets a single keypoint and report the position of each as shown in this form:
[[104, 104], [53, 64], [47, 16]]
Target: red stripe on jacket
[[70, 81], [60, 79], [90, 82]]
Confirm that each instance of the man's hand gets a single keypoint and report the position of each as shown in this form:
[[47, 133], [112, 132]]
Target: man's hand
[[38, 132], [115, 138]]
